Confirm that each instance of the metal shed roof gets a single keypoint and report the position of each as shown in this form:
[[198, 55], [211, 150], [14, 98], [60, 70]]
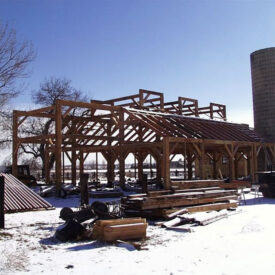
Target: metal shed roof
[[19, 197]]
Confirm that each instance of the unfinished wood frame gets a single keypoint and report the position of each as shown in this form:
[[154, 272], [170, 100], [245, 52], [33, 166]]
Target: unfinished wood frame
[[141, 124]]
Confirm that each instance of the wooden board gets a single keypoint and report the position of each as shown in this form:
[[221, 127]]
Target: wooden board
[[210, 207], [124, 232]]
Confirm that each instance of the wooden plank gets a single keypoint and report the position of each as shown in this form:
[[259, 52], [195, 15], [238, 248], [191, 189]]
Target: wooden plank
[[178, 212], [195, 184], [197, 189], [210, 207]]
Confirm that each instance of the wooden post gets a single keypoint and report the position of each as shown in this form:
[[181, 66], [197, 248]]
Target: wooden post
[[201, 162], [58, 142], [255, 162], [151, 170], [96, 166], [215, 160], [145, 183], [63, 167], [189, 166], [185, 161], [110, 167], [73, 167], [140, 159], [2, 197], [14, 144], [135, 164], [84, 200], [46, 163], [122, 170], [121, 150], [81, 162], [166, 163], [236, 166], [158, 167]]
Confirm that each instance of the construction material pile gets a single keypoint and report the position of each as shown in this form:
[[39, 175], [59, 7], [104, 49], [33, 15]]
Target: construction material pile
[[194, 196]]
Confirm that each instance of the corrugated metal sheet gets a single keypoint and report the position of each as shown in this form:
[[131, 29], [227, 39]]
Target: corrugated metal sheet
[[19, 197]]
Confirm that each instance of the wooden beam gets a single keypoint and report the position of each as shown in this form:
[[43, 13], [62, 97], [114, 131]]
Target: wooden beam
[[15, 143], [166, 163], [58, 143]]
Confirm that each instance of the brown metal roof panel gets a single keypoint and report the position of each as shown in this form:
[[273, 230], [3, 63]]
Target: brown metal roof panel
[[19, 197]]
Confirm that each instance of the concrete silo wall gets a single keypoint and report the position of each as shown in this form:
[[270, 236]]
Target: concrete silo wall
[[263, 86]]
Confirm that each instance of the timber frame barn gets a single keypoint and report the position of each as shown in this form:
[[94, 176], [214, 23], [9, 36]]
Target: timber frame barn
[[142, 124]]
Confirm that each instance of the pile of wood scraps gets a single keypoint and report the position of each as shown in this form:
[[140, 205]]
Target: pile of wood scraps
[[186, 222]]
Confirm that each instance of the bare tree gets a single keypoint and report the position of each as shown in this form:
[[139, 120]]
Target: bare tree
[[50, 90], [15, 56], [56, 88]]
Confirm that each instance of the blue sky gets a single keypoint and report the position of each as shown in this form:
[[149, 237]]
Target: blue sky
[[197, 49]]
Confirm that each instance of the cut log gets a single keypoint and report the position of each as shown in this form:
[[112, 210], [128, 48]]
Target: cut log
[[98, 229], [124, 232]]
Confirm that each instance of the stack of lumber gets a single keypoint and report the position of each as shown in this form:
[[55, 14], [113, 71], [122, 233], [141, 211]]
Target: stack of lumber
[[194, 196], [120, 229]]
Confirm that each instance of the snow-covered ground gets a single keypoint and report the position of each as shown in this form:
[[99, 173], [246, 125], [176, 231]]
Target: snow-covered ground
[[240, 244]]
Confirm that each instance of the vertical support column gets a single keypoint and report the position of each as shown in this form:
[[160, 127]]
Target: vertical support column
[[2, 197], [189, 166], [254, 161], [158, 166], [215, 160], [122, 170], [73, 167], [201, 161], [140, 165], [249, 163], [96, 165], [81, 162], [121, 150], [14, 143], [231, 160], [166, 163], [157, 157], [135, 164], [46, 165], [84, 200], [63, 167], [232, 164], [58, 143], [110, 167], [185, 161], [151, 170], [236, 166]]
